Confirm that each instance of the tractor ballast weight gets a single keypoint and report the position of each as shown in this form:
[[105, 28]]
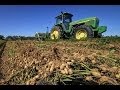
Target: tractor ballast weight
[[80, 29]]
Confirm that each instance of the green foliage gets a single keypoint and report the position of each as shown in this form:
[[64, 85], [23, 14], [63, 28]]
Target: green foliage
[[103, 41], [2, 37], [113, 38], [11, 53], [20, 38], [107, 40]]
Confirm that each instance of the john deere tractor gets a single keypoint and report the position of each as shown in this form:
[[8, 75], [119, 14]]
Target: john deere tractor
[[79, 30]]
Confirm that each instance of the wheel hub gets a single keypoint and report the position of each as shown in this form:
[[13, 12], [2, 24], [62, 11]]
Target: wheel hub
[[81, 35], [55, 35]]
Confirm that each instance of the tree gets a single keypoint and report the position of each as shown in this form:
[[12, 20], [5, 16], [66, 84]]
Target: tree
[[9, 38], [2, 37]]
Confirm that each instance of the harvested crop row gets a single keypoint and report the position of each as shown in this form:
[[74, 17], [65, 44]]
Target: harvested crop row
[[37, 63]]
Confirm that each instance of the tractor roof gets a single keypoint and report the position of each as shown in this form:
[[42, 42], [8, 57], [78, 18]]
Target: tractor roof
[[65, 13]]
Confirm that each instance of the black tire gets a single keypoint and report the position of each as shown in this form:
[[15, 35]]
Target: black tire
[[83, 28], [58, 29], [99, 35]]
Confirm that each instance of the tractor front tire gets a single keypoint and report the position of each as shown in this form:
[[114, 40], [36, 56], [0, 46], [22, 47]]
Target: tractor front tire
[[83, 32], [55, 33]]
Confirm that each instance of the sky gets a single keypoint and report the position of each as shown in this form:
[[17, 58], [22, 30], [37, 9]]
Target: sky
[[26, 20]]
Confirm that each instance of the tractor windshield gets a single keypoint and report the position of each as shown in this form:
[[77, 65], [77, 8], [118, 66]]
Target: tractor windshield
[[67, 20], [59, 20]]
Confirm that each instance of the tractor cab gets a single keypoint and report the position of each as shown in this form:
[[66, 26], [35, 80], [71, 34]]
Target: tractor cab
[[64, 19]]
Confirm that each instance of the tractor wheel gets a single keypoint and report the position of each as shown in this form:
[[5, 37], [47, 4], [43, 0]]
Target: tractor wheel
[[55, 33], [83, 32]]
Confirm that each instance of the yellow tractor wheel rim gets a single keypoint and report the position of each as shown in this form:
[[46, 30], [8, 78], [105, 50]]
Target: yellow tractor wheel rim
[[54, 35], [81, 35]]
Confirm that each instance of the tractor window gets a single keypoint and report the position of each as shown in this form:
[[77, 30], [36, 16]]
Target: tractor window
[[58, 21], [68, 20]]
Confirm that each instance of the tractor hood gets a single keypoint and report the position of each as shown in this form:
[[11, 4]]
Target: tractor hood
[[93, 21]]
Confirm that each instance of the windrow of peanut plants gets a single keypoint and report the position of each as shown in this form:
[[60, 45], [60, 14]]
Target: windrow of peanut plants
[[30, 62]]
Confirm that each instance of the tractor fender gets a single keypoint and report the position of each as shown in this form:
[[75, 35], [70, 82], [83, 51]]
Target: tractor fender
[[76, 25]]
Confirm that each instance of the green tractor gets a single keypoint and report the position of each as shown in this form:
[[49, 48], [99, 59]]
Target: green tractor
[[79, 30]]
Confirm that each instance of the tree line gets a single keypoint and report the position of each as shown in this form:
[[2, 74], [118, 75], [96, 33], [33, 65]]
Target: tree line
[[40, 36]]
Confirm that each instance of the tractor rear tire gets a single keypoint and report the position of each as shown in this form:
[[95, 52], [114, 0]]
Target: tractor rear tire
[[83, 32], [55, 33], [99, 35]]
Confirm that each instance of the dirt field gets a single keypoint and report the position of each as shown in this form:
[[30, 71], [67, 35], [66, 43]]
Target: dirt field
[[89, 62]]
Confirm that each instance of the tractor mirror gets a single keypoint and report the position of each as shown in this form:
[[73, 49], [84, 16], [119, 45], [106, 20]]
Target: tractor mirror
[[62, 12]]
